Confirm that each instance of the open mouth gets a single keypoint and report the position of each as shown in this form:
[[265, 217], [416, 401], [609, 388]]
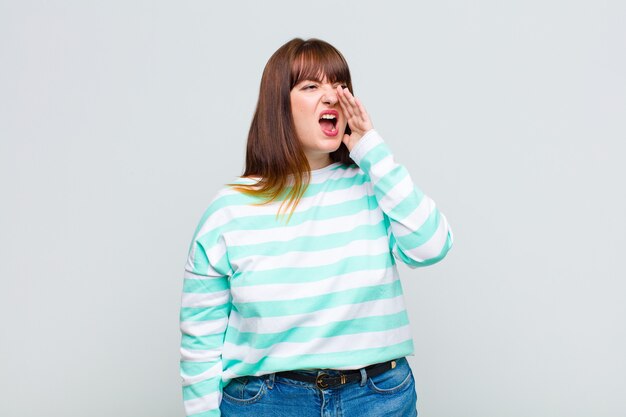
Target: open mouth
[[328, 123]]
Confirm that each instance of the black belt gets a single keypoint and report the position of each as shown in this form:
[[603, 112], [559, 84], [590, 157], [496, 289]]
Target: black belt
[[323, 380]]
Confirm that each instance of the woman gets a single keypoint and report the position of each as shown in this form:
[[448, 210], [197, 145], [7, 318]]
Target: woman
[[305, 316]]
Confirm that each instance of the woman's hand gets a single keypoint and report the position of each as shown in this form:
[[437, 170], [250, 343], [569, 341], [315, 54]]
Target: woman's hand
[[357, 117]]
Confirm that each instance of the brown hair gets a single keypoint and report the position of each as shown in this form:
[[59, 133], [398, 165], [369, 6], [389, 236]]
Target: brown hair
[[273, 150]]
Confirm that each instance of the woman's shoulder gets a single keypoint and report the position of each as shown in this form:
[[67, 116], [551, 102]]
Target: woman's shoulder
[[224, 197], [232, 195], [218, 210]]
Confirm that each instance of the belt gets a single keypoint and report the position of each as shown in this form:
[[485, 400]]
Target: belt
[[324, 380]]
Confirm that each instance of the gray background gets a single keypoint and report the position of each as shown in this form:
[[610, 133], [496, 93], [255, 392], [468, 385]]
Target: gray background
[[120, 120]]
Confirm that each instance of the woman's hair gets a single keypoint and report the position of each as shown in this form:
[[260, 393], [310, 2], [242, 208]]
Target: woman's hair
[[274, 153]]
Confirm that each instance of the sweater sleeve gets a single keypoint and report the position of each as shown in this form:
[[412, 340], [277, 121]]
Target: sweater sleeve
[[205, 307], [419, 234]]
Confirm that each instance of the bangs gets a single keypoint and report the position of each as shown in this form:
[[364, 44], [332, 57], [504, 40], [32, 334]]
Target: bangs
[[314, 60]]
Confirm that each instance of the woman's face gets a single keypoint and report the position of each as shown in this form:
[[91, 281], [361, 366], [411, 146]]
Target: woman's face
[[318, 134]]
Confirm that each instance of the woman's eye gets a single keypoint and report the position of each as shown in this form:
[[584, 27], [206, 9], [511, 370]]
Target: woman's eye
[[310, 86]]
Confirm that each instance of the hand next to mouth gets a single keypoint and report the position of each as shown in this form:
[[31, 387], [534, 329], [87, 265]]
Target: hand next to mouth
[[356, 115]]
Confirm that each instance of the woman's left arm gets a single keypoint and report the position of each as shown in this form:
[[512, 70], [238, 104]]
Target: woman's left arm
[[419, 234]]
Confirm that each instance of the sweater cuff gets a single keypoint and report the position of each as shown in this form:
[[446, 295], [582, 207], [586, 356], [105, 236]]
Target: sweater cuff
[[368, 141]]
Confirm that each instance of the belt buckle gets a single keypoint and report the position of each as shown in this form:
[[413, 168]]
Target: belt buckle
[[320, 382]]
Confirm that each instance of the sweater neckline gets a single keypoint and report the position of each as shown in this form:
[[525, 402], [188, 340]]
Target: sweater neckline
[[324, 169], [314, 172]]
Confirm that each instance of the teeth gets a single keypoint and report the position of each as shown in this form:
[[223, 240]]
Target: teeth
[[328, 116]]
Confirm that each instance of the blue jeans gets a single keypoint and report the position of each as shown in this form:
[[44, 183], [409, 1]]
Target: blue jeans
[[390, 394]]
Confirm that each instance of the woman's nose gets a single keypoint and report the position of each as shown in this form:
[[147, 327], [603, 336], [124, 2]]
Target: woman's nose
[[330, 95], [330, 98]]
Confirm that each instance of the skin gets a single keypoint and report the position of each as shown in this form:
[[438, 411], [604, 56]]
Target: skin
[[308, 99], [356, 116]]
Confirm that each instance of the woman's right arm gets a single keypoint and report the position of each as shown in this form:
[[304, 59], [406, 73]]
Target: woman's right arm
[[205, 307]]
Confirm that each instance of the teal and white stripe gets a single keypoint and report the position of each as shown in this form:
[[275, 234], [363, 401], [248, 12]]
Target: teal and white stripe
[[419, 233], [321, 291]]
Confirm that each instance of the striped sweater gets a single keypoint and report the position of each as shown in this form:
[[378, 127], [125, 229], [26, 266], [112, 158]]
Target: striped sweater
[[322, 291]]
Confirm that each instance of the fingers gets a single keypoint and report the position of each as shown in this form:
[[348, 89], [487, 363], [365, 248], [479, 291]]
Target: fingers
[[350, 104], [360, 106], [348, 100], [354, 110], [345, 102]]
